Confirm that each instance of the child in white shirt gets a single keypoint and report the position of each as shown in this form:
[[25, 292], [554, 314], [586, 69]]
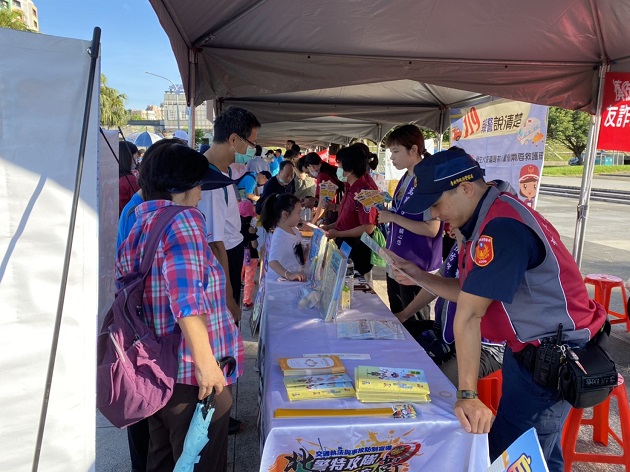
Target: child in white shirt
[[286, 254]]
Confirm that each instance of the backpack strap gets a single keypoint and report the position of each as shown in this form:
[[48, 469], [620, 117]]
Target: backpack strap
[[163, 219], [225, 194]]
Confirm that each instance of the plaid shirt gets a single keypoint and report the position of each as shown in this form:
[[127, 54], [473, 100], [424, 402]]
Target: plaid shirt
[[185, 280]]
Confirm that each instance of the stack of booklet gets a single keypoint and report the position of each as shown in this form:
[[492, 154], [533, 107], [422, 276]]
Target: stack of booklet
[[388, 384], [313, 378]]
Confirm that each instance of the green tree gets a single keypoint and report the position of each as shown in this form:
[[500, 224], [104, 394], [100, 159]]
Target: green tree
[[113, 111], [12, 19], [199, 134], [569, 128]]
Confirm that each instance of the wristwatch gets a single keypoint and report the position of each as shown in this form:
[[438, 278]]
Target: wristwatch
[[467, 394]]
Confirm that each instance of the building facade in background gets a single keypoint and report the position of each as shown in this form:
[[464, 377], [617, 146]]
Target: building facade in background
[[28, 10]]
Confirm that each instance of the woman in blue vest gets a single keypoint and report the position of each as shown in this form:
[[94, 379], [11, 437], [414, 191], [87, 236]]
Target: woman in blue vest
[[409, 236]]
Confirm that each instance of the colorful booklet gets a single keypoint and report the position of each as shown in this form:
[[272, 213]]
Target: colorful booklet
[[302, 366], [320, 393], [388, 384], [313, 381], [373, 198]]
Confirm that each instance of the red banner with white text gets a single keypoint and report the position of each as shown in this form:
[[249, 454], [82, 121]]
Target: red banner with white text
[[614, 130]]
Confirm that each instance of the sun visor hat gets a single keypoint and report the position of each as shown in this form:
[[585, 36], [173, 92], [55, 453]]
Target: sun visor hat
[[437, 174]]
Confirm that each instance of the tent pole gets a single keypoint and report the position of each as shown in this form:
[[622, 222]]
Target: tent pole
[[192, 93], [587, 173], [93, 51]]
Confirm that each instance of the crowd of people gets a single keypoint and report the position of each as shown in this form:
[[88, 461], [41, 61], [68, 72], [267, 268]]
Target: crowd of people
[[494, 304]]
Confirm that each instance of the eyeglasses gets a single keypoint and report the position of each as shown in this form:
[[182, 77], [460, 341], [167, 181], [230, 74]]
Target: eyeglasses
[[247, 141]]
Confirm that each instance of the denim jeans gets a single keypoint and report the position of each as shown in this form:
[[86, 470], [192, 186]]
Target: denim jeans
[[525, 404]]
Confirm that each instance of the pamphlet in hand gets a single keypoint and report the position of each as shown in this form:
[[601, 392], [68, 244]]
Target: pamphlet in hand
[[373, 245], [373, 198], [328, 190]]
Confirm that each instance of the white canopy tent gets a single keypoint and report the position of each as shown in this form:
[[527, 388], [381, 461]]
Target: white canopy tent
[[550, 53]]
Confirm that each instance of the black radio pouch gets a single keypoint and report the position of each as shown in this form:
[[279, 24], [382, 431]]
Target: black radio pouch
[[547, 365], [549, 359]]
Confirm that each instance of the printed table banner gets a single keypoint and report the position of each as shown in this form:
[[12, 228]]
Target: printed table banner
[[388, 448], [614, 129], [507, 138]]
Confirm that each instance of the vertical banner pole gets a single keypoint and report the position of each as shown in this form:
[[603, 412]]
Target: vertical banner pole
[[587, 173], [94, 53]]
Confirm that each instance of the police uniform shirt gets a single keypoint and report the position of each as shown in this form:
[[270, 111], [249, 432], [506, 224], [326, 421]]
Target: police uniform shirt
[[516, 249]]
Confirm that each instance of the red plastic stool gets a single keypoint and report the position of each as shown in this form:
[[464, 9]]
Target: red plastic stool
[[604, 285], [601, 431], [489, 390]]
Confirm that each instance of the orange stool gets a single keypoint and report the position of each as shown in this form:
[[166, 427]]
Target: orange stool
[[601, 431], [489, 390], [604, 285]]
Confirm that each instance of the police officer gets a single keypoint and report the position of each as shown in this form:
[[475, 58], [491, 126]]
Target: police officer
[[517, 283]]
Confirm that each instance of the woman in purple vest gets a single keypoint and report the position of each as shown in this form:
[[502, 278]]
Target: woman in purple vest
[[409, 236]]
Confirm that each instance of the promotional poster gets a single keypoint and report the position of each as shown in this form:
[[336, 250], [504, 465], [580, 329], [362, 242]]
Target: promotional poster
[[507, 138]]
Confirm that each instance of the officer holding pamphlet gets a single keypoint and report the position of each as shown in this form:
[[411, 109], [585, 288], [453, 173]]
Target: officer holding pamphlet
[[517, 284]]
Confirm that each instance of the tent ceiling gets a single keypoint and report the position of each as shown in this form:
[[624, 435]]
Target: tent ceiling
[[536, 51]]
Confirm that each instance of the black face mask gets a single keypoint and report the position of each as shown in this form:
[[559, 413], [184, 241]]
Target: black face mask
[[298, 249]]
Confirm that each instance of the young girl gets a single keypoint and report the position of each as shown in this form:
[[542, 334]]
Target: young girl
[[250, 261], [286, 255]]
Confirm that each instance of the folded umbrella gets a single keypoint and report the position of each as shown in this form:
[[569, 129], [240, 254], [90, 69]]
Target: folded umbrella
[[198, 433]]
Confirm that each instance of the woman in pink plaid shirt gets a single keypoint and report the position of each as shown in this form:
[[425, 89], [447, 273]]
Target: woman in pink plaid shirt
[[186, 287]]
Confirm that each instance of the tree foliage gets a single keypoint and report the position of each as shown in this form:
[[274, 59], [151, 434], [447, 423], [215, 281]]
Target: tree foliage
[[12, 19], [569, 128], [113, 111]]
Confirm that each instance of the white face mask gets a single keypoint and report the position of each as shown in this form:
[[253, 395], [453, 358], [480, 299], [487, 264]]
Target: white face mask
[[313, 173]]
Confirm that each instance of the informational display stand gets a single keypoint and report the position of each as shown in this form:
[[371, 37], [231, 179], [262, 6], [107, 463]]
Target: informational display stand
[[316, 254], [334, 273]]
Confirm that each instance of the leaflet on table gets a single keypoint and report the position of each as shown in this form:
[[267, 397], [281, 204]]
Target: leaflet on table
[[373, 245], [334, 274], [373, 198], [370, 329], [391, 379], [319, 386], [342, 355], [524, 454], [301, 366]]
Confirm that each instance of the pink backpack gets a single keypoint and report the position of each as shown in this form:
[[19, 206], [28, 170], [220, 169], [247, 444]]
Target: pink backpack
[[136, 370]]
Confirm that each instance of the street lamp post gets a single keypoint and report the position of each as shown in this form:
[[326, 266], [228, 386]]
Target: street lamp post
[[175, 89]]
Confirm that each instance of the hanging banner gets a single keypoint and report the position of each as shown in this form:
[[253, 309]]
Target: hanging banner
[[507, 138], [614, 128]]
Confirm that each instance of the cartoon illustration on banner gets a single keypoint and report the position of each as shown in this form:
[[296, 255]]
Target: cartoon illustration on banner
[[369, 456], [507, 138]]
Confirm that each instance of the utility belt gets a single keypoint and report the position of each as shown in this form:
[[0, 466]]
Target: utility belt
[[584, 376]]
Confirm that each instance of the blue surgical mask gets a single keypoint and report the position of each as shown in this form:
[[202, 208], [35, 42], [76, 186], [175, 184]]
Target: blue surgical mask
[[244, 158], [340, 176]]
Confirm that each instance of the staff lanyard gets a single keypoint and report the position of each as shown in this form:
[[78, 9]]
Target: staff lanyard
[[397, 203]]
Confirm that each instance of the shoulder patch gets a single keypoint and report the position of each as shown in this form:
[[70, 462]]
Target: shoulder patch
[[484, 251]]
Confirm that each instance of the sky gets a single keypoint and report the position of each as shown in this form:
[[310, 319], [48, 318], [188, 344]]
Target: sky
[[132, 42]]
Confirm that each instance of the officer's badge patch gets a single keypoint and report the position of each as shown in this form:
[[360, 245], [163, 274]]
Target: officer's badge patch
[[484, 252]]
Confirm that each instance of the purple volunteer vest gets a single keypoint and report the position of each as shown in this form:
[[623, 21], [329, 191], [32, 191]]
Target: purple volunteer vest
[[423, 251]]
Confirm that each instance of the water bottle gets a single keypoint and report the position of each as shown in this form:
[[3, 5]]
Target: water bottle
[[348, 286]]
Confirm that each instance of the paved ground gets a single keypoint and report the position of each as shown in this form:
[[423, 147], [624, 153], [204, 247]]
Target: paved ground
[[607, 250]]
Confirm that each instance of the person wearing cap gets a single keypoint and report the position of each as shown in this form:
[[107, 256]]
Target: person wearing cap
[[185, 287], [181, 135], [517, 284], [528, 183]]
